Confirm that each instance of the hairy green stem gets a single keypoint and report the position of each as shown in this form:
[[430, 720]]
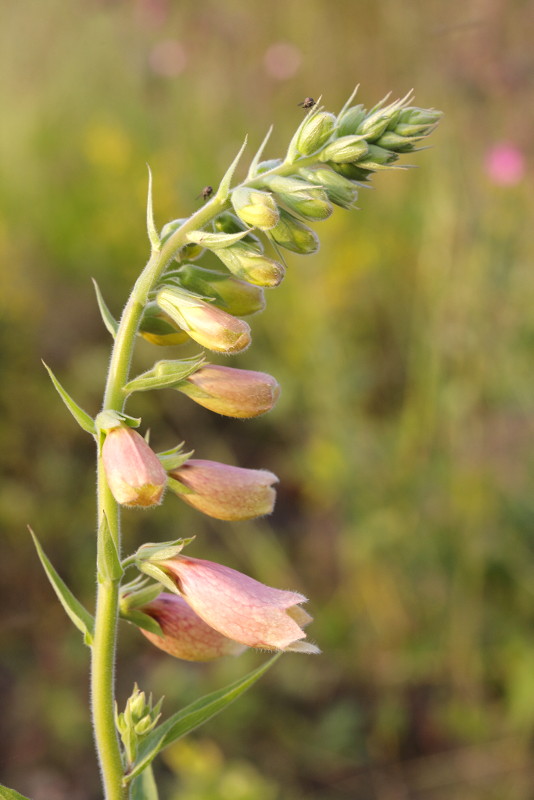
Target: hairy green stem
[[107, 604]]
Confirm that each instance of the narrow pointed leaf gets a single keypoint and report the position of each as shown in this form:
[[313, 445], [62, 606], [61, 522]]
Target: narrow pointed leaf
[[224, 187], [11, 794], [164, 374], [109, 320], [108, 563], [194, 715], [153, 234], [158, 575], [77, 613], [82, 418], [256, 160], [144, 786], [141, 620], [350, 99], [215, 241]]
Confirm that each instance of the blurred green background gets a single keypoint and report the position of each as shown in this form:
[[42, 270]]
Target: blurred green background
[[403, 437]]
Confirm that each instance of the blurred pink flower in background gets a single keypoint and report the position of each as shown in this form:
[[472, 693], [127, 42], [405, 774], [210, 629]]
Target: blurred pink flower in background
[[282, 60], [505, 164], [168, 58]]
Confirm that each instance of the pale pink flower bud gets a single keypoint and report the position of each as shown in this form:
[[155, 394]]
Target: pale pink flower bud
[[225, 492], [185, 634], [133, 471], [232, 392], [239, 607], [206, 324]]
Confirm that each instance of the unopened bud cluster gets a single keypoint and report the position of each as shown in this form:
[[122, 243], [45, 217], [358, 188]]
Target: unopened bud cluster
[[210, 610]]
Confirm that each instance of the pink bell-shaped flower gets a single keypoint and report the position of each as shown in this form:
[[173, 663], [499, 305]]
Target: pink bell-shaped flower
[[239, 607], [225, 492], [133, 471], [232, 392], [185, 634]]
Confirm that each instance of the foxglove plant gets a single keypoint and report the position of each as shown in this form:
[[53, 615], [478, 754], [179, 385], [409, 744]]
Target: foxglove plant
[[194, 609]]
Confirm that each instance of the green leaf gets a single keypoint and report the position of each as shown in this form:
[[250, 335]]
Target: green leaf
[[77, 613], [108, 562], [141, 620], [224, 186], [109, 320], [256, 160], [11, 794], [164, 374], [158, 575], [144, 786], [153, 234], [82, 418], [192, 716], [215, 241], [350, 99]]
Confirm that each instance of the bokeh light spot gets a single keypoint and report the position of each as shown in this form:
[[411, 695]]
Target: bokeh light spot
[[282, 60], [168, 58]]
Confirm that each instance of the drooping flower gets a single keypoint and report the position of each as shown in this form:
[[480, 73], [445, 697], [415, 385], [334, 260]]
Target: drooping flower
[[232, 392], [133, 471], [240, 607], [206, 324], [185, 634], [225, 492]]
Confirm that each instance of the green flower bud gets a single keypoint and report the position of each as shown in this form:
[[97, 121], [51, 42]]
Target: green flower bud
[[391, 140], [315, 131], [374, 125], [339, 190], [301, 197], [235, 296], [232, 392], [292, 234], [246, 263], [158, 328], [414, 121], [206, 324], [377, 158], [257, 209], [189, 251], [345, 149], [349, 120], [229, 223], [352, 172]]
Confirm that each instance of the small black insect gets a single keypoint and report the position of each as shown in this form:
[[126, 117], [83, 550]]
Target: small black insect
[[308, 102], [206, 193]]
